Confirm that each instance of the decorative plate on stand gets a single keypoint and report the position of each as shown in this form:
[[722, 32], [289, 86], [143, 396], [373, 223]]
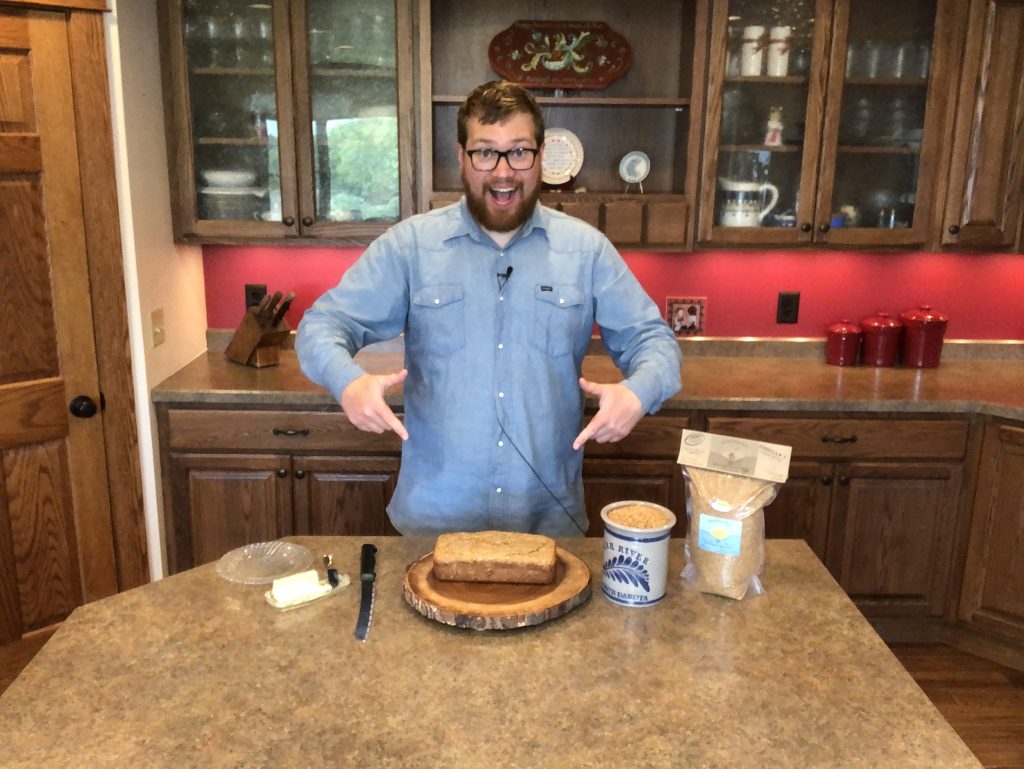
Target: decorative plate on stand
[[563, 156]]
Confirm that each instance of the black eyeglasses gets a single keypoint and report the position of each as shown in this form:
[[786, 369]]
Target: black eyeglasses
[[518, 158]]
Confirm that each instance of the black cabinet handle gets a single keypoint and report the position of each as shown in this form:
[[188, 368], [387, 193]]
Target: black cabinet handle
[[844, 481], [805, 227], [954, 229], [834, 439], [307, 221], [288, 221], [826, 480], [300, 474], [279, 431], [824, 227], [83, 406], [282, 473]]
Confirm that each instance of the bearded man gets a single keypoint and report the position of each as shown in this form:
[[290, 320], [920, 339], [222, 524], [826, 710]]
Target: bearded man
[[497, 297]]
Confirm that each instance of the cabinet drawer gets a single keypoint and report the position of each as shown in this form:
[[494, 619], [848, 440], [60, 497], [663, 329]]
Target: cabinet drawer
[[656, 436], [205, 429], [853, 438]]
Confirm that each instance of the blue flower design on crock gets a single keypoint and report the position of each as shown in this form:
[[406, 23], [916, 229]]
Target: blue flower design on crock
[[624, 569]]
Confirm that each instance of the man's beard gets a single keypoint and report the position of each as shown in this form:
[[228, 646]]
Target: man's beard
[[500, 221]]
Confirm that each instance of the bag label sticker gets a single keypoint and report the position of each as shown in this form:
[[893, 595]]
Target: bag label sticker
[[720, 535], [737, 456]]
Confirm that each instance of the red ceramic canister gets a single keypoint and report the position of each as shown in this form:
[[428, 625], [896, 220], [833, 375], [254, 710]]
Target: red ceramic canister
[[842, 343], [881, 339], [923, 332]]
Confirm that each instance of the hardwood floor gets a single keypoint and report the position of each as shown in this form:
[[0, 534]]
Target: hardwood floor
[[982, 701]]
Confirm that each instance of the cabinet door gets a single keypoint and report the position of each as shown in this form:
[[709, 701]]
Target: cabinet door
[[801, 509], [613, 480], [764, 113], [222, 501], [350, 78], [344, 495], [986, 193], [890, 79], [891, 534], [993, 592], [231, 142]]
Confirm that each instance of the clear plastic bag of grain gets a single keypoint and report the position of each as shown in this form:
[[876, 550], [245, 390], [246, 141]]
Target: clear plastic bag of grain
[[725, 544]]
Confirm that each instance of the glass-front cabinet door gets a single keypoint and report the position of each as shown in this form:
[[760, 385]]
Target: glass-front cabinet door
[[822, 121], [285, 117]]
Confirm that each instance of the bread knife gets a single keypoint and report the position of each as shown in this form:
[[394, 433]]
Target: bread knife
[[368, 576], [282, 309]]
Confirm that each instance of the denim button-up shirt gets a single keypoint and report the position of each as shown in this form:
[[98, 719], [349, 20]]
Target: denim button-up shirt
[[492, 399]]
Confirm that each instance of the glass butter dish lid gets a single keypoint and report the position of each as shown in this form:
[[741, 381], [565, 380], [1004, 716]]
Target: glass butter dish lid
[[262, 562]]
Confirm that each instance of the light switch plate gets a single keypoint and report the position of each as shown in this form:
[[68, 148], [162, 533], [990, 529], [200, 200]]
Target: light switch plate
[[159, 331]]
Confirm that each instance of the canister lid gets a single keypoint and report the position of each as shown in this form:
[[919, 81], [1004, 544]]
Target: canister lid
[[924, 315], [844, 327], [881, 322]]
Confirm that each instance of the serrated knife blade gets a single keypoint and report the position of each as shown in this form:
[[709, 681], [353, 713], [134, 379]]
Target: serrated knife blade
[[368, 578]]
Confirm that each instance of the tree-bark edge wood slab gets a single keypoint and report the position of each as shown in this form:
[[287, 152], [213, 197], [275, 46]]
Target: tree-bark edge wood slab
[[494, 605]]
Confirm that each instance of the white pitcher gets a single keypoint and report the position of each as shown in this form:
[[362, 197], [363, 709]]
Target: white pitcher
[[742, 206]]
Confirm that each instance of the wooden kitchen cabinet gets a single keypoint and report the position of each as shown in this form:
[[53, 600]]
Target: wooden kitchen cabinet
[[985, 201], [876, 499], [287, 119], [232, 477], [641, 466], [838, 145], [654, 107], [992, 599]]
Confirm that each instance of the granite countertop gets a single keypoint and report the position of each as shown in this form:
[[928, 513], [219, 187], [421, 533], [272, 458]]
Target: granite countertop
[[736, 376], [194, 671]]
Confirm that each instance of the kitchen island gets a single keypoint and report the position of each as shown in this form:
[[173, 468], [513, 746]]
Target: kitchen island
[[195, 671]]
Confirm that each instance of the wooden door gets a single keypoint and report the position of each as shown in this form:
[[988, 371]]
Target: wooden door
[[56, 537], [890, 540], [224, 501], [986, 193], [993, 591], [801, 509], [344, 496]]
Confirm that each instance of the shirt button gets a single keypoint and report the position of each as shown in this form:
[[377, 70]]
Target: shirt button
[[560, 300], [501, 443], [437, 301], [501, 299], [498, 489], [501, 346], [501, 395]]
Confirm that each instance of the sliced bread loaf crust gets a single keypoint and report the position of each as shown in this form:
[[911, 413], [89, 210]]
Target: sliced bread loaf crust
[[495, 556]]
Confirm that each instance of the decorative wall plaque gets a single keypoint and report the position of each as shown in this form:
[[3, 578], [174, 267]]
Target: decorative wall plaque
[[560, 54]]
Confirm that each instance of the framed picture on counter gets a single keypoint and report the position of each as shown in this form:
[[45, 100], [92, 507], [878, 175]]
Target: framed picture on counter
[[686, 315]]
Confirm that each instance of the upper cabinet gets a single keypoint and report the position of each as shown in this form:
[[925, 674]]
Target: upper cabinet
[[986, 186], [823, 121], [288, 119], [635, 135]]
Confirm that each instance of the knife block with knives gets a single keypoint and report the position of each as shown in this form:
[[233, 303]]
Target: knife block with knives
[[258, 338]]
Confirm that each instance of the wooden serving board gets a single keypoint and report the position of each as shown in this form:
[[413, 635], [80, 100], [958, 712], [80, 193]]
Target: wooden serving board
[[496, 605]]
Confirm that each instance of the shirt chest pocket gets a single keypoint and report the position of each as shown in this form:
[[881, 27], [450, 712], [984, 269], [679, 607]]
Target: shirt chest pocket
[[557, 318], [437, 319]]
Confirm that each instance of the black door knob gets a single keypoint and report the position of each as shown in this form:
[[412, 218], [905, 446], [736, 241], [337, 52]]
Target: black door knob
[[805, 227], [954, 229], [288, 221], [282, 473], [826, 480], [824, 227], [307, 221], [83, 406], [300, 474]]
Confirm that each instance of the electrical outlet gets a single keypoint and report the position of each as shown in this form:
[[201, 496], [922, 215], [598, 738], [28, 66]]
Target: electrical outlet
[[156, 319], [254, 292], [788, 309]]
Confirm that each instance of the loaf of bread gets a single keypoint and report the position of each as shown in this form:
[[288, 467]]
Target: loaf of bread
[[495, 556]]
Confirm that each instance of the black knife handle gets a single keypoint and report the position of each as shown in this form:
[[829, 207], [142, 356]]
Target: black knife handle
[[368, 562]]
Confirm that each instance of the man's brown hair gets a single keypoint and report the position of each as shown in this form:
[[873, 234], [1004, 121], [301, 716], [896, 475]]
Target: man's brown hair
[[496, 102]]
